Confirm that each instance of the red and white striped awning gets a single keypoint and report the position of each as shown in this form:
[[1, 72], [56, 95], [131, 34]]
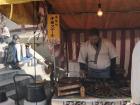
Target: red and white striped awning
[[123, 40]]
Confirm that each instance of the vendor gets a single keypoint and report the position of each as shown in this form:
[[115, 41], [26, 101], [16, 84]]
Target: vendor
[[97, 57]]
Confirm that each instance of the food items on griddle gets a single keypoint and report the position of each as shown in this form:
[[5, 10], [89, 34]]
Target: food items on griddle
[[125, 91], [107, 89], [94, 87]]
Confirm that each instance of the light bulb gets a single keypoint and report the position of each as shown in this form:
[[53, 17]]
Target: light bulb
[[100, 12]]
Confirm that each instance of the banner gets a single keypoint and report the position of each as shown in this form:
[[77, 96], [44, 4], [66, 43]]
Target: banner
[[53, 27]]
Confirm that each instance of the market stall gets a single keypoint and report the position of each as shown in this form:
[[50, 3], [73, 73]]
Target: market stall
[[117, 25], [117, 21]]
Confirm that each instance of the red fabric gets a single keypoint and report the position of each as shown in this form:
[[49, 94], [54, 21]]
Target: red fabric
[[70, 46], [105, 34], [122, 56], [42, 8], [42, 4], [113, 38], [77, 45], [86, 36]]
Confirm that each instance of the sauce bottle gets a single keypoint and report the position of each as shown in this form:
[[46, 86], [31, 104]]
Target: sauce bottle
[[82, 91]]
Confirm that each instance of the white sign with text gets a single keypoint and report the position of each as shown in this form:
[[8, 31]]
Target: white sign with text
[[90, 101]]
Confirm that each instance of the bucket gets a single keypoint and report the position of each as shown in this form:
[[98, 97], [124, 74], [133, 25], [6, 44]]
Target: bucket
[[35, 92]]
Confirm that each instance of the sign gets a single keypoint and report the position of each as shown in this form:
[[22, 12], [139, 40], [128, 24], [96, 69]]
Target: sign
[[53, 27], [90, 101]]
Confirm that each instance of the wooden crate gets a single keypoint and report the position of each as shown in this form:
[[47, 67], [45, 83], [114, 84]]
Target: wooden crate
[[68, 89]]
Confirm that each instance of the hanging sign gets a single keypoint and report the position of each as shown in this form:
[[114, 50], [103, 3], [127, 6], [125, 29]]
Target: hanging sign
[[53, 27]]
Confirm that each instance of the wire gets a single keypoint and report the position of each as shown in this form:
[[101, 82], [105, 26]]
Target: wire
[[94, 12]]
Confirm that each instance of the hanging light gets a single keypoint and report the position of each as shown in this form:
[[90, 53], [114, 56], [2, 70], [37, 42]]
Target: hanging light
[[99, 12]]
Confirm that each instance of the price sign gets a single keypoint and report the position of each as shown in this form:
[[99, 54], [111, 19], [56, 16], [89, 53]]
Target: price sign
[[53, 27]]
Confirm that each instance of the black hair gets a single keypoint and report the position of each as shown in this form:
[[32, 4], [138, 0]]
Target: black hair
[[94, 32], [27, 44], [15, 37]]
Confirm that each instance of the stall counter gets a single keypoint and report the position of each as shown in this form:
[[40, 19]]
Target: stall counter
[[88, 101]]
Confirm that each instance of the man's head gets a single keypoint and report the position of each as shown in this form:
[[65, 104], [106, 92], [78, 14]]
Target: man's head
[[16, 38], [94, 36], [27, 45]]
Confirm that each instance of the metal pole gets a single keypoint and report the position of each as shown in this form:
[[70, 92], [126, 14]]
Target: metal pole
[[54, 61], [66, 39]]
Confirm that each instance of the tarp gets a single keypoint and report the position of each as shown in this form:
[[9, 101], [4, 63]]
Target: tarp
[[3, 2], [23, 11]]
